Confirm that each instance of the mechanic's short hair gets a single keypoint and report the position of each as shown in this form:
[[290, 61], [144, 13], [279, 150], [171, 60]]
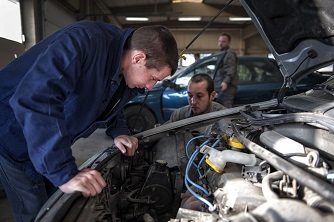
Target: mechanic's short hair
[[204, 77], [159, 45], [227, 35]]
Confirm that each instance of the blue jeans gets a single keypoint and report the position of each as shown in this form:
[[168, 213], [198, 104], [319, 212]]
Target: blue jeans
[[26, 197]]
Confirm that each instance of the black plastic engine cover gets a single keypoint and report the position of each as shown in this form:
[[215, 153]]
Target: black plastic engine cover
[[158, 187]]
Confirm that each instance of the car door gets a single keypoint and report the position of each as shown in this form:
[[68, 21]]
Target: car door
[[259, 80], [174, 98]]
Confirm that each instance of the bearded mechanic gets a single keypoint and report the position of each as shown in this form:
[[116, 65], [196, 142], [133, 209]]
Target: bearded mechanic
[[201, 95]]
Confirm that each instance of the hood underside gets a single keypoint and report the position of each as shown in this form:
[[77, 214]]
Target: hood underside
[[299, 34]]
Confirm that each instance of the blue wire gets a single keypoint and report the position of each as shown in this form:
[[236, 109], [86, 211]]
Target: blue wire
[[215, 143], [211, 207], [204, 143], [188, 170], [204, 157], [193, 156], [187, 146], [191, 160], [188, 180], [200, 164]]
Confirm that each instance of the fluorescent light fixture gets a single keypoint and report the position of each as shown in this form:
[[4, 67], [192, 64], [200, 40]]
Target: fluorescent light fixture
[[194, 1], [187, 19], [239, 19], [140, 19]]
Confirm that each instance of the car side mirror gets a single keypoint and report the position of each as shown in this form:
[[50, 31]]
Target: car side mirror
[[167, 83]]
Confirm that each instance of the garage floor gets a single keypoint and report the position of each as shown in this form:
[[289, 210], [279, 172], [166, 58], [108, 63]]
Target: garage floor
[[82, 150]]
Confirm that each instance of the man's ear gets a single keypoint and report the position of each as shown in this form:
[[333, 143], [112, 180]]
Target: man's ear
[[139, 57], [213, 95]]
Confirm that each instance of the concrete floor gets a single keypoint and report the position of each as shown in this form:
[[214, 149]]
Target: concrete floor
[[83, 149]]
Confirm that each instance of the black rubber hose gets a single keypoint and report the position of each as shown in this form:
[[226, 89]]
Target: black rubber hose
[[304, 177], [141, 201], [267, 181], [323, 120]]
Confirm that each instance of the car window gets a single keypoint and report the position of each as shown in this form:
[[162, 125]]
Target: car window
[[207, 66], [245, 74], [258, 70], [251, 70]]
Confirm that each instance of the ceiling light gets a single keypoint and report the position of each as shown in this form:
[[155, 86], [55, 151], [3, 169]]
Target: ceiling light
[[239, 19], [139, 19], [195, 1], [187, 19]]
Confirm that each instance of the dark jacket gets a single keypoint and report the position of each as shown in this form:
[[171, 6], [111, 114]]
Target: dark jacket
[[54, 93], [186, 112], [227, 70]]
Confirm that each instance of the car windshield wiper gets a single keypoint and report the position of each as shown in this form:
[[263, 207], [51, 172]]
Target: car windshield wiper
[[325, 121], [326, 88]]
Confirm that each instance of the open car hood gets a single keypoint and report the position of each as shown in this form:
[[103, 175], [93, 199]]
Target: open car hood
[[299, 34]]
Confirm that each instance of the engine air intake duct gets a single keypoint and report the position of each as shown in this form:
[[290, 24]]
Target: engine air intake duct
[[218, 159]]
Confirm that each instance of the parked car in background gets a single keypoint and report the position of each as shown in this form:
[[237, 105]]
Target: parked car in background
[[259, 80]]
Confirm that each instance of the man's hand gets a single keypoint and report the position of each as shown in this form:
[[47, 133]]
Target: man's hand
[[223, 86], [126, 144], [89, 182]]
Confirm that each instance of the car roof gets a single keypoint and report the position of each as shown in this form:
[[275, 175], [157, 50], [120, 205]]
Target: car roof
[[299, 34], [188, 69]]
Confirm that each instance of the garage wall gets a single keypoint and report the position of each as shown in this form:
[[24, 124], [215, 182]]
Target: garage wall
[[9, 51], [208, 42], [55, 17], [40, 19], [256, 46]]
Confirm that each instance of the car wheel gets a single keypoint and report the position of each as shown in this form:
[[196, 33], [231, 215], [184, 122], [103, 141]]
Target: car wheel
[[138, 122]]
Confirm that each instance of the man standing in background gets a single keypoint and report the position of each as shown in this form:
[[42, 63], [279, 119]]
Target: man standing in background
[[197, 56], [226, 79]]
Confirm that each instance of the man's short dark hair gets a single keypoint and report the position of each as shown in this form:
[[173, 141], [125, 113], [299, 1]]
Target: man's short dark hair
[[227, 35], [159, 45], [204, 77]]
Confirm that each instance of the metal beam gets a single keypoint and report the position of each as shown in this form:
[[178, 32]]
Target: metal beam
[[32, 22]]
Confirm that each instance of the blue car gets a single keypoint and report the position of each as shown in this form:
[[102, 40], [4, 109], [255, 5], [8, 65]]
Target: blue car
[[259, 80]]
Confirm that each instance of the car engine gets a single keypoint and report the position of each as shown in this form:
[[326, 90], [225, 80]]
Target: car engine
[[257, 164]]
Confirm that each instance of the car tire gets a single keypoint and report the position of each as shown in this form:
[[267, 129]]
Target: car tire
[[145, 120]]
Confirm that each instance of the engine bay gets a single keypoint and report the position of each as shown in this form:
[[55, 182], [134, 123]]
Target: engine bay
[[255, 166], [260, 162]]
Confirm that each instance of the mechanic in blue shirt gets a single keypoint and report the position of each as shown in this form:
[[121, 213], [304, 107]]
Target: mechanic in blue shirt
[[62, 89]]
